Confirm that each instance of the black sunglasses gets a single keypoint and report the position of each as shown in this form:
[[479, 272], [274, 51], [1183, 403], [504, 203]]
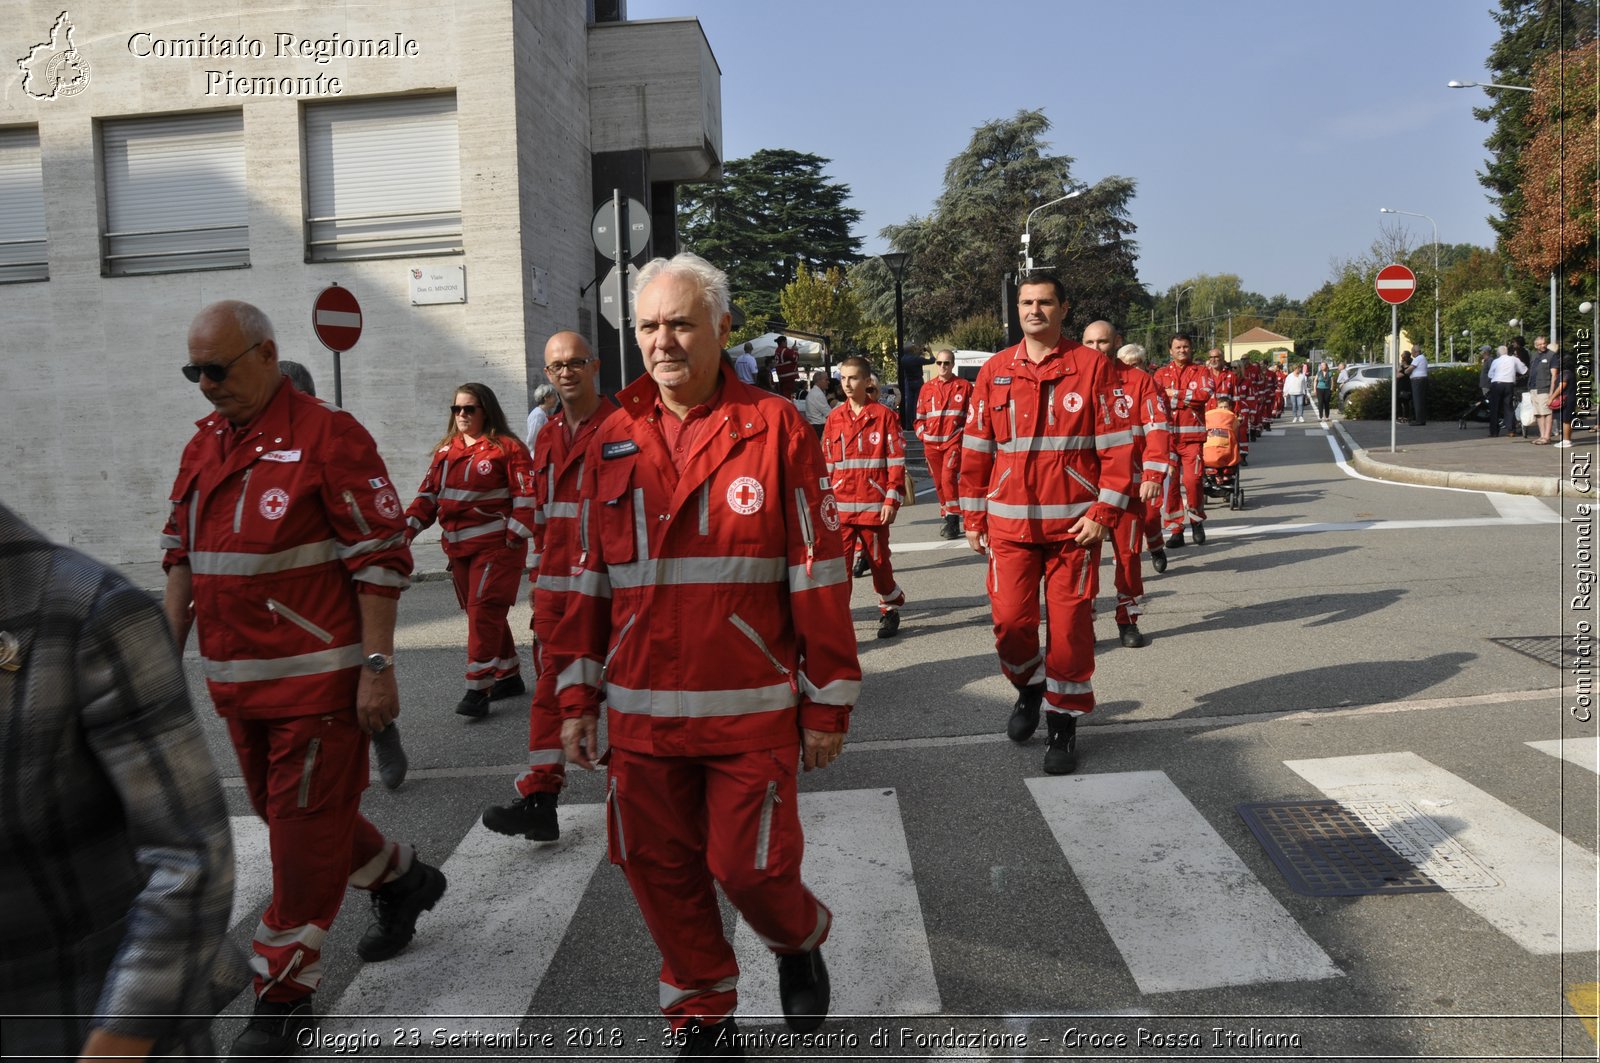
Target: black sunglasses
[[458, 410], [213, 371]]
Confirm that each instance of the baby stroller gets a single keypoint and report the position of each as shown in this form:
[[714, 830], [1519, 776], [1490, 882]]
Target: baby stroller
[[1224, 481], [1478, 412]]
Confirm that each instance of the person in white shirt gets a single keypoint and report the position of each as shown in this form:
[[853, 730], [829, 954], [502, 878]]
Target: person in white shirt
[[817, 407], [1294, 392], [1419, 389], [744, 366], [1503, 373], [545, 401]]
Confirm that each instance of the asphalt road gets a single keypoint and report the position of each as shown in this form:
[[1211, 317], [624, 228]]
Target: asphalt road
[[1336, 638]]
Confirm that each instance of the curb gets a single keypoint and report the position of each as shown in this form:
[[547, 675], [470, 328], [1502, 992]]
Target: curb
[[1539, 486]]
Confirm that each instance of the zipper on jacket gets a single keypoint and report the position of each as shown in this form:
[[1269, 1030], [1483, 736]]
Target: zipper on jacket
[[617, 645], [583, 534], [750, 633], [355, 513], [804, 515], [998, 482], [879, 486], [304, 797], [277, 607], [1076, 475], [238, 509], [705, 508], [616, 820], [1050, 402], [764, 828]]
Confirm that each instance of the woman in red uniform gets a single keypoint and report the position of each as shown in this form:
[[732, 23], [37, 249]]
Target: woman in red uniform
[[478, 489]]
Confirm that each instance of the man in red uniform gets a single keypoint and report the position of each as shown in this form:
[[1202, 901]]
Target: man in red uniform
[[1226, 380], [1046, 472], [712, 612], [1188, 390], [786, 365], [559, 458], [1138, 405], [941, 415], [866, 458], [286, 546]]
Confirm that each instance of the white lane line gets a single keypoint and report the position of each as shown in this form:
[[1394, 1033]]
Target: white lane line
[[858, 864], [1182, 908], [1525, 508], [1584, 752], [252, 866], [486, 945], [1348, 470], [1547, 902]]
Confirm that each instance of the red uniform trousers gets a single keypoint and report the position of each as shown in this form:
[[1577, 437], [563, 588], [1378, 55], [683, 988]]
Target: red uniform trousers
[[547, 762], [676, 824], [486, 583], [305, 775], [944, 468], [873, 539], [1068, 572], [1128, 540], [1186, 477]]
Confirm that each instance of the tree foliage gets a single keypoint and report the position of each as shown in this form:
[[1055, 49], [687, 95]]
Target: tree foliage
[[1561, 168], [821, 303], [768, 215], [963, 248]]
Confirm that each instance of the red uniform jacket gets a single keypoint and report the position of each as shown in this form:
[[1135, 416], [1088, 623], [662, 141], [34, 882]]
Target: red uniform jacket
[[711, 607], [481, 494], [281, 531], [1137, 401], [1043, 446], [559, 464], [1193, 384], [866, 458], [942, 412]]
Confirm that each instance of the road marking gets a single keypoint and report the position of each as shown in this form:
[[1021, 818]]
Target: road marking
[[858, 864], [252, 866], [1182, 908], [1547, 904], [1585, 1001], [1584, 752], [1525, 508], [485, 947]]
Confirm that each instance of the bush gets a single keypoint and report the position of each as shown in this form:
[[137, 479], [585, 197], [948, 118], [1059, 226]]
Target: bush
[[1452, 390]]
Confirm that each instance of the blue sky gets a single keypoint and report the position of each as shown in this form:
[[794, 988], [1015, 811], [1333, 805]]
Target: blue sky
[[1263, 136]]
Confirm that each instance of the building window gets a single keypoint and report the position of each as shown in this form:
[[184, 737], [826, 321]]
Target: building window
[[23, 246], [175, 193], [383, 178]]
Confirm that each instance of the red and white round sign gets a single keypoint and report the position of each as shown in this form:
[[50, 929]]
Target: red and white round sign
[[1396, 283], [336, 317]]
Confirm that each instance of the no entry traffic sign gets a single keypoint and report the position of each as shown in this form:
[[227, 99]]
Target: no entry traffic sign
[[1396, 283], [336, 317]]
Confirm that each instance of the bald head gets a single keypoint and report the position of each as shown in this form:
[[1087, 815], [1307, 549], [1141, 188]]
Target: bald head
[[235, 339], [575, 372], [1101, 336]]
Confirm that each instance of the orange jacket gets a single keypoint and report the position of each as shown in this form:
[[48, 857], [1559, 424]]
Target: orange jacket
[[1222, 438], [866, 458]]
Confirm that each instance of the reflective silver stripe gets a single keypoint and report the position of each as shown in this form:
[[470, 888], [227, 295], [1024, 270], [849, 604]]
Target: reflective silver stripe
[[865, 463], [823, 919], [478, 666], [897, 461], [540, 757], [823, 574], [761, 644], [705, 508], [860, 507], [974, 505], [1061, 686], [257, 671], [368, 873], [977, 443], [303, 797], [238, 509], [1036, 444], [475, 531], [641, 530], [459, 494], [616, 819], [355, 513], [929, 438], [1114, 439], [226, 563], [1001, 509], [587, 582], [561, 509], [414, 524], [320, 633], [171, 542], [681, 571], [1156, 466], [194, 504], [584, 672], [699, 703], [310, 935], [1082, 480], [483, 581], [369, 546], [431, 496], [1113, 498], [519, 529], [1191, 429], [839, 692], [617, 645], [764, 827], [381, 577], [672, 996], [1025, 667]]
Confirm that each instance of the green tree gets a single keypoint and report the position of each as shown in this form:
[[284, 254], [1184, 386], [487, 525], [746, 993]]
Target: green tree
[[821, 303], [1483, 314], [963, 248], [1353, 318], [768, 215]]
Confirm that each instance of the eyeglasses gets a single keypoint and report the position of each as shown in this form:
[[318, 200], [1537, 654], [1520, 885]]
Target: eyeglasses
[[213, 371], [937, 362], [459, 410], [559, 368]]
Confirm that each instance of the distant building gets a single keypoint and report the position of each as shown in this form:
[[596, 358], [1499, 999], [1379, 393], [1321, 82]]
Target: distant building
[[1257, 339], [441, 159]]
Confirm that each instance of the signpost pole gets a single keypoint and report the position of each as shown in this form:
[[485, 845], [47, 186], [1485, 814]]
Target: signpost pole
[[619, 217], [1394, 360], [338, 383]]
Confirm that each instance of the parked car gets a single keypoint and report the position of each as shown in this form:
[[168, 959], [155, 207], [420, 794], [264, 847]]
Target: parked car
[[1363, 376]]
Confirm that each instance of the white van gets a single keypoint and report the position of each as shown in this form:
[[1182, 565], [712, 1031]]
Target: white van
[[969, 362]]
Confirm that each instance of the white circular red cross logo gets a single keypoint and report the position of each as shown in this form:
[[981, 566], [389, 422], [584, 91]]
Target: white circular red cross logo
[[274, 503], [745, 495]]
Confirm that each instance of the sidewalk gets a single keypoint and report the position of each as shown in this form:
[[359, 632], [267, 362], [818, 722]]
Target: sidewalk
[[1442, 454]]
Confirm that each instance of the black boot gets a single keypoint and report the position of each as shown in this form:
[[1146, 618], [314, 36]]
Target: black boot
[[508, 687], [862, 565], [276, 1029], [1061, 754], [1199, 528], [803, 989], [1176, 540], [1158, 559], [1025, 713], [395, 909], [952, 527], [474, 703], [1130, 635], [710, 1041], [532, 817], [888, 624]]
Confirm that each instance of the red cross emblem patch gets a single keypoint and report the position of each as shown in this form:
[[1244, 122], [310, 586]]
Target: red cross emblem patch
[[274, 503], [1073, 402], [745, 496]]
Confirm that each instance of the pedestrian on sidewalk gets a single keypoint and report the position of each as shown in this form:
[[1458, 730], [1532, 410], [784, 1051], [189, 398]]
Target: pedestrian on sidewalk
[[1563, 396], [1294, 392], [1324, 388], [1503, 374], [480, 489], [1544, 366], [1419, 389]]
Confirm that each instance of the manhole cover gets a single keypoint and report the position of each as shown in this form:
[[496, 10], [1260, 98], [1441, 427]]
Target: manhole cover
[[1554, 650], [1415, 835], [1325, 850]]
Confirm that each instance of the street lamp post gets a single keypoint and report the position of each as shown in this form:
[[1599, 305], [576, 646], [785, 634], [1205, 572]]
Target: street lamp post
[[1416, 214], [1027, 224], [1177, 302], [896, 261]]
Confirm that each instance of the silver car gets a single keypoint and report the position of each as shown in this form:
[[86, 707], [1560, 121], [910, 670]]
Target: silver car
[[1363, 376]]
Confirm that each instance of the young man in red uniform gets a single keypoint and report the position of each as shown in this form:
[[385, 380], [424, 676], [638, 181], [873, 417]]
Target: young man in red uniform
[[786, 366], [559, 459], [1046, 471], [711, 612], [1138, 405], [287, 548], [941, 415], [1227, 381], [866, 459], [1188, 390]]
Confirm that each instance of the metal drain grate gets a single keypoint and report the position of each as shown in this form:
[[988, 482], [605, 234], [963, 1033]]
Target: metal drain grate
[[1419, 838], [1325, 850], [1554, 650]]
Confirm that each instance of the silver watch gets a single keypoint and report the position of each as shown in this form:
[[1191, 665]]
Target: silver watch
[[378, 663]]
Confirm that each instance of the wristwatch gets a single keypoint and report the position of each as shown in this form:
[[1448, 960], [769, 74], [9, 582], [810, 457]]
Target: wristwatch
[[377, 663]]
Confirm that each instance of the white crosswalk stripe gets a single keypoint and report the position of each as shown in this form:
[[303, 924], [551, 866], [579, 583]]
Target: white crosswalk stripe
[[1584, 752]]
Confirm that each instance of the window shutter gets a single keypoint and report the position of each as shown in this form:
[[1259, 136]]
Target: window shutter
[[23, 244]]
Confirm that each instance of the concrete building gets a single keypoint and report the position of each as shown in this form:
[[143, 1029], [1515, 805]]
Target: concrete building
[[442, 160]]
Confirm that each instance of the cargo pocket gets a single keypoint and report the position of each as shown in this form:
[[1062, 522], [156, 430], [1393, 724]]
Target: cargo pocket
[[616, 837], [618, 518]]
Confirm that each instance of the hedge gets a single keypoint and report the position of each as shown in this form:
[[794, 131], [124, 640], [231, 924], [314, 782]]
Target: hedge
[[1452, 390]]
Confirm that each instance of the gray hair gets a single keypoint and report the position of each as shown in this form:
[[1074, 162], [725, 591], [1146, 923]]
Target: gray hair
[[1131, 354], [712, 282], [543, 393], [298, 375], [252, 321]]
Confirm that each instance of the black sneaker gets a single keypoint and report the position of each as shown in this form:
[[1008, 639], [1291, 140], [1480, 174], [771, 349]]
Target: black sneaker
[[475, 703], [1130, 635], [1176, 540], [509, 687], [711, 1041], [276, 1029], [1025, 713], [1061, 754], [862, 565], [395, 909], [533, 817], [888, 624], [392, 759], [1199, 527], [803, 988], [1158, 559]]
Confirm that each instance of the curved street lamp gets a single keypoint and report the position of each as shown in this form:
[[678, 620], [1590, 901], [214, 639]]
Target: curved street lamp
[[1177, 302], [1485, 85], [1027, 224]]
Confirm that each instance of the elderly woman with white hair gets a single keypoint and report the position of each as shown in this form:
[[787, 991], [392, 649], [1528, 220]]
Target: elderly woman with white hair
[[545, 401]]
